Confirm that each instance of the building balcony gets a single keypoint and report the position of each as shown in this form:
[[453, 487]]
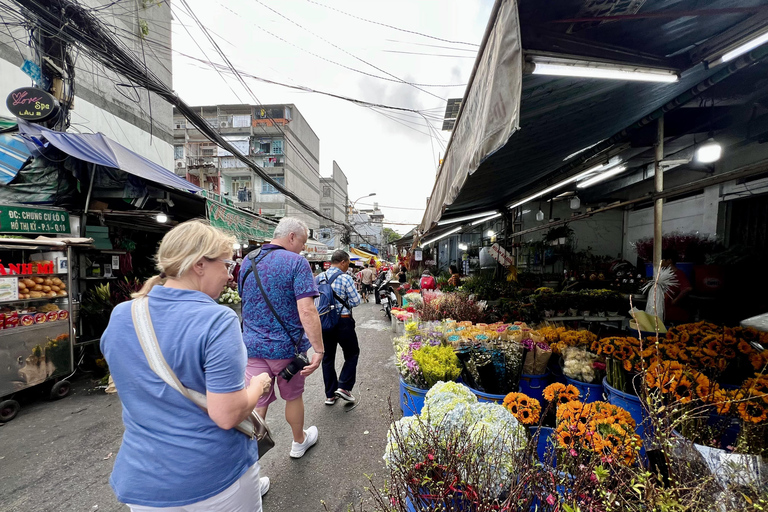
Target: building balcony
[[196, 162]]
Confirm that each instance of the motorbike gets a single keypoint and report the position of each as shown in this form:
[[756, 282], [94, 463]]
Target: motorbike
[[385, 295]]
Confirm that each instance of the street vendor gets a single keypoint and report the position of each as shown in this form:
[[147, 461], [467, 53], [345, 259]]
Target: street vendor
[[674, 301]]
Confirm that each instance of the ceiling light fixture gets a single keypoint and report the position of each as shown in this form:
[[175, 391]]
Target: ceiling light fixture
[[575, 203], [466, 217], [603, 176], [709, 152], [611, 163], [454, 230], [539, 215], [162, 218], [462, 247], [236, 246], [480, 221], [586, 69], [525, 211], [491, 233], [744, 48]]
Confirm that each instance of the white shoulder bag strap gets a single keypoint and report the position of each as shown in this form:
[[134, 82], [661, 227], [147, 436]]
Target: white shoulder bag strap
[[142, 322]]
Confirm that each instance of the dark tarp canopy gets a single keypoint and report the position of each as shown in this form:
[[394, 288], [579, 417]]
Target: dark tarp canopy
[[561, 117]]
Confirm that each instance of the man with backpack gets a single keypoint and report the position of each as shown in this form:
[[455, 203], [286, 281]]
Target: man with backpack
[[337, 298]]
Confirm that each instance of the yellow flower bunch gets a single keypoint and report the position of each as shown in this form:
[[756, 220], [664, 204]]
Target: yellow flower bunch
[[551, 334], [570, 338], [560, 393], [527, 410], [751, 400], [598, 427]]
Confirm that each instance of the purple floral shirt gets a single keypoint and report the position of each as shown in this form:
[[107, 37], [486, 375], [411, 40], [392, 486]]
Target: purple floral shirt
[[286, 278]]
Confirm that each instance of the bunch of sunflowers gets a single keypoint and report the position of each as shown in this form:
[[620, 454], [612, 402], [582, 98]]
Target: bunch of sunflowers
[[683, 383], [597, 428], [525, 409], [559, 393], [704, 345], [560, 338], [749, 403]]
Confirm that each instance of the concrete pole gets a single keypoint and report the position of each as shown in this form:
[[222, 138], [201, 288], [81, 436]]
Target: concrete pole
[[658, 207]]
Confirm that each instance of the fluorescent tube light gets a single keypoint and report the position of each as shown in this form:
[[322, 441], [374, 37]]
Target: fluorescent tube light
[[454, 230], [485, 219], [741, 50], [525, 211], [604, 176], [605, 71], [466, 217], [613, 162], [709, 152]]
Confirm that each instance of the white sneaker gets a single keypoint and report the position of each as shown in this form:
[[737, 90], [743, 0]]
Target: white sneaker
[[310, 438], [263, 485]]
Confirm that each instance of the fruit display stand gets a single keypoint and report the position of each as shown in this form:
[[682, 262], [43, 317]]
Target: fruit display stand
[[36, 324]]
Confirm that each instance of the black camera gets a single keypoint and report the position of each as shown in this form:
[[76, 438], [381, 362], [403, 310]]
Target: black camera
[[295, 366]]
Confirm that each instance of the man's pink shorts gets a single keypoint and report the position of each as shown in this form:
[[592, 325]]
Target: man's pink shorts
[[289, 390]]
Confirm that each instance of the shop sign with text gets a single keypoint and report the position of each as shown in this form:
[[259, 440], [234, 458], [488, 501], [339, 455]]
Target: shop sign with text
[[22, 220], [31, 104]]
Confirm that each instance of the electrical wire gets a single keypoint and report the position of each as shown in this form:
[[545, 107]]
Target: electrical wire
[[391, 26], [348, 53]]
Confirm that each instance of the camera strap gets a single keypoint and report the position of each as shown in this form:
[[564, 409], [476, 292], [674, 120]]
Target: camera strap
[[266, 298]]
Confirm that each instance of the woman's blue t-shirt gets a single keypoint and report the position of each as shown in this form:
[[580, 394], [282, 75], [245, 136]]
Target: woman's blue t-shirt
[[173, 454]]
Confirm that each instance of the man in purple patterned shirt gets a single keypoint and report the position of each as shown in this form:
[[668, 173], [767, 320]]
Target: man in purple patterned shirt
[[271, 342]]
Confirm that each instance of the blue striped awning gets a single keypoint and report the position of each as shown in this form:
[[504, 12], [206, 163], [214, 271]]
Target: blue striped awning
[[13, 156]]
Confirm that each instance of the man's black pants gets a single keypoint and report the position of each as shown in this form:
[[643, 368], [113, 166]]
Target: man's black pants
[[342, 335]]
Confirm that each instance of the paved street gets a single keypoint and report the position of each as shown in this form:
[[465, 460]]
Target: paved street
[[57, 456]]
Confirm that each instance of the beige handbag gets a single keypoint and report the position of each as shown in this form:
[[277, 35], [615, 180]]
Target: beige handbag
[[253, 426]]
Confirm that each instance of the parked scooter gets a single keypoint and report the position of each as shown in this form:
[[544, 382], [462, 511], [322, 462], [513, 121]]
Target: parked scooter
[[385, 295]]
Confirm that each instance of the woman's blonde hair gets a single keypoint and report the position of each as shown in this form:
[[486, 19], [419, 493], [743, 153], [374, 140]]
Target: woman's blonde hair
[[185, 245]]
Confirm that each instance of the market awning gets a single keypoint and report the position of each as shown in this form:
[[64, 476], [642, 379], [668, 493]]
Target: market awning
[[565, 120], [243, 225], [101, 150]]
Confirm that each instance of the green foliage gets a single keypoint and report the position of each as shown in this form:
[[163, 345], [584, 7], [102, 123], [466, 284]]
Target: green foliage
[[391, 235], [486, 287], [437, 363]]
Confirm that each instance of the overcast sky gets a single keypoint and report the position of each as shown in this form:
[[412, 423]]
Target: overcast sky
[[396, 158]]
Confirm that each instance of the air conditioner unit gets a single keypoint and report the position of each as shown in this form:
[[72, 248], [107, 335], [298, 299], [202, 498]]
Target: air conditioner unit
[[223, 124], [179, 164]]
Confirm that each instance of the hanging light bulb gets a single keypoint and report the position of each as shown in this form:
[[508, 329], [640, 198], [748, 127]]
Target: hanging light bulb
[[162, 218], [236, 246], [539, 215], [709, 152], [575, 203], [490, 233]]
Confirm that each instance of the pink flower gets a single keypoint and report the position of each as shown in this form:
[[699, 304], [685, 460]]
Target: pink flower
[[573, 453], [551, 500], [430, 456]]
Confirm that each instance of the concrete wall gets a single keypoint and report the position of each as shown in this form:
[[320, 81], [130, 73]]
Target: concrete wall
[[99, 104], [302, 167], [338, 199], [601, 233]]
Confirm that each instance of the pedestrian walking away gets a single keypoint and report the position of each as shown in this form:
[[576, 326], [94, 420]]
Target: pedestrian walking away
[[280, 323], [176, 456], [366, 278], [342, 334]]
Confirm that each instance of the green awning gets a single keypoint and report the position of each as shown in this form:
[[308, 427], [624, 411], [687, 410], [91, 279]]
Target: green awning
[[240, 223]]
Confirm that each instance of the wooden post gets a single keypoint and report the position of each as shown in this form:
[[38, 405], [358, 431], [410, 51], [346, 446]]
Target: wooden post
[[658, 207]]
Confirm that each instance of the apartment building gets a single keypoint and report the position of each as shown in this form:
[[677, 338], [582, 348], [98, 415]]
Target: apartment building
[[275, 137], [369, 224], [334, 199]]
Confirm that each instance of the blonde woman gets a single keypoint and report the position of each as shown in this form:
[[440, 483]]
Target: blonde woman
[[174, 456]]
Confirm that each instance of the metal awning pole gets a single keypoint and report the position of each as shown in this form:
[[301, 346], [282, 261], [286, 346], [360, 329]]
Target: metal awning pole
[[84, 217], [658, 205]]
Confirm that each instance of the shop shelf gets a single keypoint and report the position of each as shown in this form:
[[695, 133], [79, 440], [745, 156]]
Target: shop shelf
[[36, 327], [42, 299]]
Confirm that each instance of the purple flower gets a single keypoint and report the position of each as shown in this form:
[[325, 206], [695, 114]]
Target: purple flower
[[527, 344]]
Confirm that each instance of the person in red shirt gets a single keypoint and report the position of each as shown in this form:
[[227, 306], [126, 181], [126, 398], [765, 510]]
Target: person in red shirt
[[675, 300]]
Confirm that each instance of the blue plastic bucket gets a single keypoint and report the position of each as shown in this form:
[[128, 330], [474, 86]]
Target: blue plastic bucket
[[533, 385], [589, 392], [411, 399], [544, 438], [629, 403], [487, 397], [411, 501]]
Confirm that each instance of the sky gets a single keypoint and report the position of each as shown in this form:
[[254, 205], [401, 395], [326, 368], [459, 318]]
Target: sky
[[313, 43]]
